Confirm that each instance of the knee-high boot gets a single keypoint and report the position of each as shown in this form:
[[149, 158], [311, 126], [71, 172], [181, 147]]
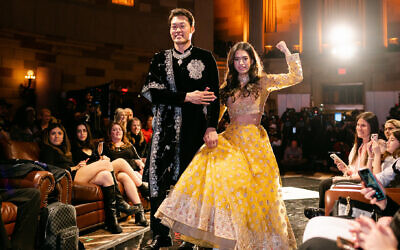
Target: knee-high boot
[[122, 205], [111, 221], [139, 216]]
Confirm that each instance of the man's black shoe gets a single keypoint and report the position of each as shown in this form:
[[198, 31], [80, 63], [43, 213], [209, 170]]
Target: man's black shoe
[[186, 246], [311, 212], [158, 242]]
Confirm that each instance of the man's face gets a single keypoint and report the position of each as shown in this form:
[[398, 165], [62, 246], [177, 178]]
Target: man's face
[[181, 32]]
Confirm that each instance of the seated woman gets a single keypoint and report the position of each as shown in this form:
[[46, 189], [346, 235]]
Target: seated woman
[[389, 172], [56, 150], [124, 157], [120, 117], [148, 128], [83, 150], [136, 137], [367, 124]]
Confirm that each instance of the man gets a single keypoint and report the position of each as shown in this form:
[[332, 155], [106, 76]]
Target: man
[[28, 202], [182, 85]]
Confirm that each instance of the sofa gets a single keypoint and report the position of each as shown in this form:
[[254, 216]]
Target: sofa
[[87, 198]]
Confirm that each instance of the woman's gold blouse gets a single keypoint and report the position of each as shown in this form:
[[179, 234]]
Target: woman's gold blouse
[[248, 110]]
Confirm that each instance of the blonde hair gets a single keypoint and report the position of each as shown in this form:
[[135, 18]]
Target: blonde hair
[[117, 117]]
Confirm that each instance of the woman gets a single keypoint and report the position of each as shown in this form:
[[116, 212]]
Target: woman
[[120, 150], [387, 174], [57, 151], [230, 195], [367, 124], [129, 114], [84, 150], [148, 129], [120, 117], [136, 137]]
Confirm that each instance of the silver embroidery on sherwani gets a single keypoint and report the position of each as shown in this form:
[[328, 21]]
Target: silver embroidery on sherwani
[[195, 68], [156, 131]]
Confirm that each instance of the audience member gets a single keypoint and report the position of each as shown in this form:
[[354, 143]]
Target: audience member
[[99, 169], [148, 128], [44, 118], [120, 117], [367, 124], [28, 202], [56, 150], [136, 137], [129, 114], [24, 126], [293, 156], [119, 148]]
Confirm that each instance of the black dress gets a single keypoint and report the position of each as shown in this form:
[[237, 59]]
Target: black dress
[[128, 153], [78, 155], [51, 156]]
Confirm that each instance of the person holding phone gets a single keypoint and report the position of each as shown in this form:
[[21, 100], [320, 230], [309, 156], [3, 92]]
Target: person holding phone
[[387, 170], [367, 124], [331, 232]]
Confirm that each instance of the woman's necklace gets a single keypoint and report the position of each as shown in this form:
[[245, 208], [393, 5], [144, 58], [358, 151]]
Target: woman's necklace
[[243, 79]]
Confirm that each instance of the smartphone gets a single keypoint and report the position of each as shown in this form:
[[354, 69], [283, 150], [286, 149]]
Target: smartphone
[[370, 181], [344, 244], [294, 130], [335, 157], [374, 137]]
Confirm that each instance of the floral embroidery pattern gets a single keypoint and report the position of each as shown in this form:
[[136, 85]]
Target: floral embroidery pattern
[[195, 68]]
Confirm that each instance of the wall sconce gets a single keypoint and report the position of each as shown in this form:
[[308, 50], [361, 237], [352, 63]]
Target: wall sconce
[[27, 90], [30, 75]]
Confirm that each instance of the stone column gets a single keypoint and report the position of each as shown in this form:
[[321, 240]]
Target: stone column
[[373, 25], [204, 17], [256, 24], [310, 30]]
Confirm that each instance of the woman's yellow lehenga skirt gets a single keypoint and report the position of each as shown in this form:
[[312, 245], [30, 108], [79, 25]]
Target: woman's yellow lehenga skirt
[[230, 196]]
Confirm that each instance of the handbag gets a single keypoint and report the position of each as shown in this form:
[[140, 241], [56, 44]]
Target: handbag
[[346, 207]]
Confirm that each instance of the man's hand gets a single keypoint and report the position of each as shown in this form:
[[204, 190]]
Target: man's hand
[[200, 97], [211, 138]]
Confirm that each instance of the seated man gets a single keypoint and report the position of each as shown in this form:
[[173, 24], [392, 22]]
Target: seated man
[[293, 156], [28, 202]]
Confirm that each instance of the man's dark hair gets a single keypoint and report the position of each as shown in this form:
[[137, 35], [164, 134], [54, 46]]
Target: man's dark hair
[[181, 12]]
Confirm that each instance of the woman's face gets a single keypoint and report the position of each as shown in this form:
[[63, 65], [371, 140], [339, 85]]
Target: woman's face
[[81, 132], [363, 129], [150, 122], [242, 62], [388, 129], [392, 144], [122, 117], [116, 133], [129, 115], [136, 127], [56, 136]]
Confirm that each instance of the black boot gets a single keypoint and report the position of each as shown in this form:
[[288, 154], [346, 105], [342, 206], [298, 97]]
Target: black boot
[[111, 221], [144, 190], [122, 205], [139, 216]]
